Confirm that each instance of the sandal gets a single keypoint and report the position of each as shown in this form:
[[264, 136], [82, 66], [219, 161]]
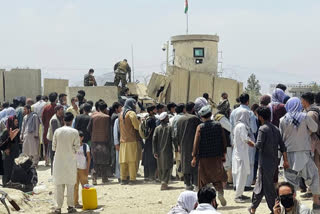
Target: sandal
[[249, 210]]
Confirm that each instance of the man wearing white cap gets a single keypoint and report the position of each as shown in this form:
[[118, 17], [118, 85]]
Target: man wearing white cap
[[209, 149], [162, 149]]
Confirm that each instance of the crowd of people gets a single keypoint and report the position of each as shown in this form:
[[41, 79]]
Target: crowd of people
[[212, 149]]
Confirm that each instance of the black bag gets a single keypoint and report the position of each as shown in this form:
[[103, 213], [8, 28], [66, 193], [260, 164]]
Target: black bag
[[24, 173]]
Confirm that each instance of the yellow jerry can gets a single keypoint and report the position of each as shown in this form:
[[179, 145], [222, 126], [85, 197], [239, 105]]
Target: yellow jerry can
[[89, 199]]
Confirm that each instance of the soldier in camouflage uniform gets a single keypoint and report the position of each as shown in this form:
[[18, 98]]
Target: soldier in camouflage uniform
[[89, 79], [121, 69]]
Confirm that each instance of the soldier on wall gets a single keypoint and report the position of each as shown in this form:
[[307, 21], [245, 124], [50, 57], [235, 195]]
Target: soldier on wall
[[89, 79], [121, 69]]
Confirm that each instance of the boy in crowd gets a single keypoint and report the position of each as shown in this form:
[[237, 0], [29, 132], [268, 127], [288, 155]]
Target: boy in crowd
[[83, 167], [162, 147]]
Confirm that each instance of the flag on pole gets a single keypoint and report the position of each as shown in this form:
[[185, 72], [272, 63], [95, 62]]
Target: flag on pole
[[186, 7]]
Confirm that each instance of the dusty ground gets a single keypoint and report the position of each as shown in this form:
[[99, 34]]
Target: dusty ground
[[141, 198]]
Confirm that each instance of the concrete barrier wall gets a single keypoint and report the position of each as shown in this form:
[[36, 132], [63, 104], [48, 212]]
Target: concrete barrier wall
[[200, 83], [178, 90], [185, 86], [108, 93], [22, 82], [240, 85], [139, 89], [1, 85], [156, 81], [55, 85]]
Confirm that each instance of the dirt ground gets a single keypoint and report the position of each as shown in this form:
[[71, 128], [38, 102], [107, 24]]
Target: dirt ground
[[115, 198]]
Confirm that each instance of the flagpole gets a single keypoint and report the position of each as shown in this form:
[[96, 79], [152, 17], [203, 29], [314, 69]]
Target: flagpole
[[132, 63], [186, 11], [187, 22]]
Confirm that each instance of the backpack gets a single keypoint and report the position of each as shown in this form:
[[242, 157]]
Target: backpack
[[144, 130], [84, 146], [318, 112]]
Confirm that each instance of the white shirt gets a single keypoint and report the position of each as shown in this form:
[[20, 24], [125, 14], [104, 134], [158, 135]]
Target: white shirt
[[81, 159], [225, 123], [204, 209], [66, 143], [240, 147], [116, 132], [38, 108]]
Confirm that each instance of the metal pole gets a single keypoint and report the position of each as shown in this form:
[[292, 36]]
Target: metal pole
[[132, 64], [187, 22], [167, 55]]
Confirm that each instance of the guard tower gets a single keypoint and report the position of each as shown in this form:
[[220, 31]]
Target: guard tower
[[197, 53]]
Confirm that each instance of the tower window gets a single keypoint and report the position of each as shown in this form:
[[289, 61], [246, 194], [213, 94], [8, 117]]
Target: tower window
[[198, 52]]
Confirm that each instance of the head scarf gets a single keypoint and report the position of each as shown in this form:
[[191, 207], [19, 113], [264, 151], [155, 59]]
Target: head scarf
[[278, 96], [243, 116], [265, 100], [294, 112], [223, 107], [129, 105], [199, 103], [186, 202], [10, 122], [6, 113], [31, 120]]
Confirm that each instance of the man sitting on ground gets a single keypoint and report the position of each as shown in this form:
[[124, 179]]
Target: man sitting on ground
[[207, 201]]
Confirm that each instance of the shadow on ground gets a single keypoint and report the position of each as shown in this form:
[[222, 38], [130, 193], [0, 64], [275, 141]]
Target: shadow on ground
[[231, 208]]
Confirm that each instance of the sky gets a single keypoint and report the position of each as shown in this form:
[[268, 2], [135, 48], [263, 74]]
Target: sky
[[277, 40]]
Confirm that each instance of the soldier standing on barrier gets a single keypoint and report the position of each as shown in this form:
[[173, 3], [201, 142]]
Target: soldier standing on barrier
[[121, 69], [89, 79]]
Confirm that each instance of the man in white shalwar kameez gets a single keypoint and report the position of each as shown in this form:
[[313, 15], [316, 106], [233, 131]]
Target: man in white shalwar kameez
[[66, 143], [30, 135], [240, 162], [116, 135], [244, 100]]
